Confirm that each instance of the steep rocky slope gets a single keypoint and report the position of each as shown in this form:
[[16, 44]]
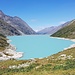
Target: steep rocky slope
[[3, 42], [17, 23], [7, 29]]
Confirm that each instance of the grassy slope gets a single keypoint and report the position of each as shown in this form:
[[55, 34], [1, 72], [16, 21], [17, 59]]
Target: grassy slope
[[51, 65], [46, 66], [3, 42], [66, 32]]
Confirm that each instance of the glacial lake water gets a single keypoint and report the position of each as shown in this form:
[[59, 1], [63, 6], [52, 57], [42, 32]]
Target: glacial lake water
[[38, 46]]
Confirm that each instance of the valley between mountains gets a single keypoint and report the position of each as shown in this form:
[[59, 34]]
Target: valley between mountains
[[61, 63]]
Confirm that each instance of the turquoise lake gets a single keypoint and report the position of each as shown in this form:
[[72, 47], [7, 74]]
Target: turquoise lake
[[38, 46]]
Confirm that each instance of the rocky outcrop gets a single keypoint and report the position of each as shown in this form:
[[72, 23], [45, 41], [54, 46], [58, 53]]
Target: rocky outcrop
[[10, 53]]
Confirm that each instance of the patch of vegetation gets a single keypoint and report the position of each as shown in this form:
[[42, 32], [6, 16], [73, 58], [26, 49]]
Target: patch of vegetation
[[46, 67], [3, 42], [49, 68], [70, 64]]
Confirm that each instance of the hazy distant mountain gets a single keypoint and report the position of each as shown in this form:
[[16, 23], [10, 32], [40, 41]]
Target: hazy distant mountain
[[46, 30], [16, 22], [53, 29], [66, 32]]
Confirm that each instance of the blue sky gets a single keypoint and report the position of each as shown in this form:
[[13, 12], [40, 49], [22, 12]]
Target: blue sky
[[40, 13]]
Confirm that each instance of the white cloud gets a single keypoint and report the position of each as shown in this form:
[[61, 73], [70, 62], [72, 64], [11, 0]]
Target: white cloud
[[38, 28], [33, 20], [62, 22]]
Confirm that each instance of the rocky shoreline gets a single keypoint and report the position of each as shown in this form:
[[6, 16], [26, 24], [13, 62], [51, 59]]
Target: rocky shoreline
[[10, 53]]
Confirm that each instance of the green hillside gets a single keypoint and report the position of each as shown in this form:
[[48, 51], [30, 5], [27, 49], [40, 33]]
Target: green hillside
[[62, 63], [66, 32]]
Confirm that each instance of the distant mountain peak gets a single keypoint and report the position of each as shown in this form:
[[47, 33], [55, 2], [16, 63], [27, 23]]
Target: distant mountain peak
[[16, 18], [73, 20], [1, 12], [51, 30]]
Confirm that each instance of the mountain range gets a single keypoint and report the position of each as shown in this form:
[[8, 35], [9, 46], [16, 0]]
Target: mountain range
[[14, 25], [53, 29]]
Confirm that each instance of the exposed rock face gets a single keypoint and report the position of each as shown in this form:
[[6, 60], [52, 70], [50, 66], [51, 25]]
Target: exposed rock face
[[7, 29], [19, 24], [16, 23], [10, 53]]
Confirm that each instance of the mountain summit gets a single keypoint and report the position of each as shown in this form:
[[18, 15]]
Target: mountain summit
[[1, 14], [17, 23]]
